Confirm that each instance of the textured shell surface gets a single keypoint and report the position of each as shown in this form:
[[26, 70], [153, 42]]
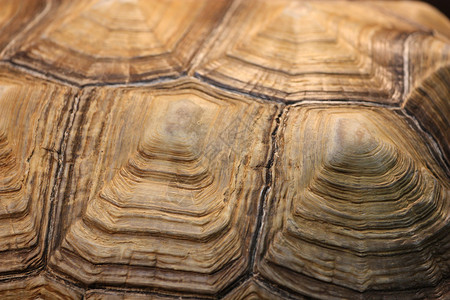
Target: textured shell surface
[[231, 149]]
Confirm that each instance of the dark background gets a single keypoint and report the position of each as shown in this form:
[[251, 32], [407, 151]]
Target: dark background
[[442, 5]]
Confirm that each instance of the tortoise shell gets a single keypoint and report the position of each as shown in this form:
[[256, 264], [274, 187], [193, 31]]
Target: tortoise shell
[[224, 149]]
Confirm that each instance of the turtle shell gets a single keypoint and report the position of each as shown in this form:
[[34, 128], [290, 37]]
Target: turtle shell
[[224, 149]]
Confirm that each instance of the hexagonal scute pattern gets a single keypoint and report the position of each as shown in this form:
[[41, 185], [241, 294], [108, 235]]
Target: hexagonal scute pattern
[[31, 113], [242, 149], [297, 50], [118, 41], [162, 186], [358, 205]]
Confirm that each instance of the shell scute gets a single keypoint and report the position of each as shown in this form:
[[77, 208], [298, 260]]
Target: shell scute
[[118, 41], [355, 204], [165, 194], [294, 51]]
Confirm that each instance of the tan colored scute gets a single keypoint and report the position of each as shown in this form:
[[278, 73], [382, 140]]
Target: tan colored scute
[[224, 149]]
